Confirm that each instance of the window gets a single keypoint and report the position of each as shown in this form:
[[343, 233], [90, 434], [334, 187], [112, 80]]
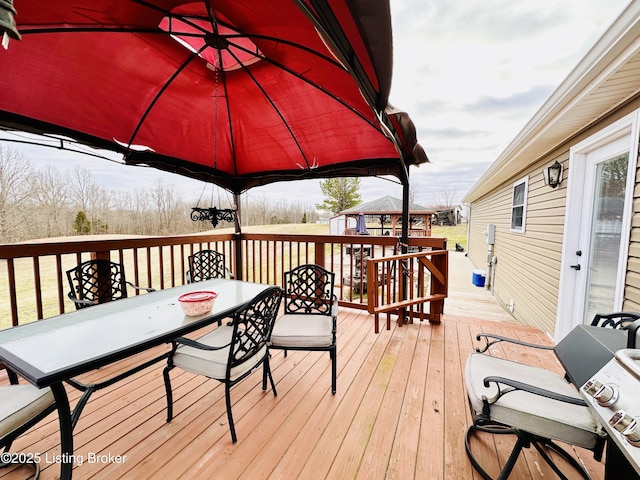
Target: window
[[519, 205]]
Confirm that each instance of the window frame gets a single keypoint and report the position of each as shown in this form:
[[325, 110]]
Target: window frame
[[523, 181]]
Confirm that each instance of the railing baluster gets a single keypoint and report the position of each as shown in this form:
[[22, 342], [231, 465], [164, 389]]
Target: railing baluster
[[38, 287], [11, 274], [59, 282]]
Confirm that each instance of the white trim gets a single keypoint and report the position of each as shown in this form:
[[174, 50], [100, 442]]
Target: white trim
[[625, 132], [525, 181]]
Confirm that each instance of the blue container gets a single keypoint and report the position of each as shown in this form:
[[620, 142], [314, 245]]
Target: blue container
[[479, 277]]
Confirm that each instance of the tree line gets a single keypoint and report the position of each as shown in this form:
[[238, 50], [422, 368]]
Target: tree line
[[48, 202]]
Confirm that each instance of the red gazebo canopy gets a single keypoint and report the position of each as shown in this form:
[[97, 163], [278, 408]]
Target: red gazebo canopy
[[236, 92]]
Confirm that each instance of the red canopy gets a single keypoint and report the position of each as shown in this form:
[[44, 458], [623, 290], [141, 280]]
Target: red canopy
[[236, 92]]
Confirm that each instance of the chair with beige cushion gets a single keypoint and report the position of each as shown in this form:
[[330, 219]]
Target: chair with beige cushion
[[538, 406], [231, 352], [21, 407], [310, 314]]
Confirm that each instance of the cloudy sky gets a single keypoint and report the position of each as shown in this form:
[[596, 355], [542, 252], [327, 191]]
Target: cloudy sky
[[470, 74]]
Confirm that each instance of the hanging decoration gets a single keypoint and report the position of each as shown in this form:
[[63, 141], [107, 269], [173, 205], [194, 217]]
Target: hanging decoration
[[213, 214]]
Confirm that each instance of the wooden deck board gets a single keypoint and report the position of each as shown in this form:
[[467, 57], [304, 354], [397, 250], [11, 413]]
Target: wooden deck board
[[400, 412]]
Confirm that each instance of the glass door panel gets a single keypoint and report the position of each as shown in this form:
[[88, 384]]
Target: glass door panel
[[606, 230]]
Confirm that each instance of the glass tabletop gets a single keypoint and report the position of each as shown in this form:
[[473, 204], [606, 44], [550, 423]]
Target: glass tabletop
[[53, 349]]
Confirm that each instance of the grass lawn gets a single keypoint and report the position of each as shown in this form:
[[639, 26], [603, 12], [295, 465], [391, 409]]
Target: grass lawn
[[454, 234]]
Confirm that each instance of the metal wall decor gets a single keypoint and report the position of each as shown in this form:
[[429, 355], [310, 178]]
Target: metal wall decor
[[213, 214]]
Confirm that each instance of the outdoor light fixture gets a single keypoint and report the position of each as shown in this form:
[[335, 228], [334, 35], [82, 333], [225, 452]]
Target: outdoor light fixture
[[213, 214], [553, 174], [7, 22]]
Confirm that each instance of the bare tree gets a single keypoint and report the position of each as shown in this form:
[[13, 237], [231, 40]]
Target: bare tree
[[50, 188], [15, 171], [167, 206], [82, 188], [447, 198], [414, 186]]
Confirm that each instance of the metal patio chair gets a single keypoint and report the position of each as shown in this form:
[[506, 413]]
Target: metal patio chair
[[88, 286], [229, 353], [538, 406], [310, 314], [21, 407], [205, 265]]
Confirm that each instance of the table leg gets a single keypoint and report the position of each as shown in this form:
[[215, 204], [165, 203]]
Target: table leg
[[66, 430]]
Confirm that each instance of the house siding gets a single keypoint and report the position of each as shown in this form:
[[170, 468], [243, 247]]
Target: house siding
[[527, 269], [528, 264], [632, 279]]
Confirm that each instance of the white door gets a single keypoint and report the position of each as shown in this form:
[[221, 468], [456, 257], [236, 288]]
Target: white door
[[597, 225]]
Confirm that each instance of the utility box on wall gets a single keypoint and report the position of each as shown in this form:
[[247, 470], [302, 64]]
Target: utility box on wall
[[490, 234]]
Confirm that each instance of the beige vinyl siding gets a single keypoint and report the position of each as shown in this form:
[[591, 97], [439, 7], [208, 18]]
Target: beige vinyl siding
[[528, 264], [632, 280]]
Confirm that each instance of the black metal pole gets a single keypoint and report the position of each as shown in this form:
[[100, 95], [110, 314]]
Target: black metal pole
[[66, 430], [404, 235], [238, 237]]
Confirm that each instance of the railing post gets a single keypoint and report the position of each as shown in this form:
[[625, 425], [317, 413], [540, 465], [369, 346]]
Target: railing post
[[103, 276], [319, 254], [441, 262], [237, 246]]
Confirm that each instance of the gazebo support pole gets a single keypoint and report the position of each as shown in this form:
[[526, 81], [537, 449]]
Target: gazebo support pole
[[404, 237], [238, 237]]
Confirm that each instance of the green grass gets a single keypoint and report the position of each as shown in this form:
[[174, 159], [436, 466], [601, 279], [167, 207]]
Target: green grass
[[454, 234]]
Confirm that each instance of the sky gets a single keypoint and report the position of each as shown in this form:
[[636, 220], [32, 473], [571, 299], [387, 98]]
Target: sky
[[469, 73]]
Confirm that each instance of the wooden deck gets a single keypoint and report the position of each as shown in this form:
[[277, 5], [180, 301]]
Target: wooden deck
[[400, 413]]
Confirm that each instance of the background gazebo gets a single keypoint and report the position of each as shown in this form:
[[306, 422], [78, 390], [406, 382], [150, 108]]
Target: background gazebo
[[387, 212]]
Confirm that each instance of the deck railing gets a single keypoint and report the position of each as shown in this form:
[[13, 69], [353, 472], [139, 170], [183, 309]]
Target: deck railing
[[406, 284], [33, 281]]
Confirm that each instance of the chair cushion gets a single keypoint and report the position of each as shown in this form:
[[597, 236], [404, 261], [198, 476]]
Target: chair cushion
[[213, 363], [21, 403], [532, 413], [302, 330]]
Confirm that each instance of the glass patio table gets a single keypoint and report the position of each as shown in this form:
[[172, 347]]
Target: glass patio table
[[52, 351]]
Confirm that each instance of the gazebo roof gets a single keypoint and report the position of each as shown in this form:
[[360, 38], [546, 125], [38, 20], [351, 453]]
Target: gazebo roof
[[386, 205]]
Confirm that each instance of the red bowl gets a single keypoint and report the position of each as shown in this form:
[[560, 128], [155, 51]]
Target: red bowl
[[199, 303]]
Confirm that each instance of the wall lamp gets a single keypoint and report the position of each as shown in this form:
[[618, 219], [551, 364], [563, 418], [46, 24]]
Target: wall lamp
[[553, 174]]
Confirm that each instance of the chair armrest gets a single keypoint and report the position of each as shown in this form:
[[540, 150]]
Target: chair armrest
[[633, 334], [231, 275], [334, 307], [195, 344], [616, 320], [147, 289], [499, 338], [79, 301], [517, 385]]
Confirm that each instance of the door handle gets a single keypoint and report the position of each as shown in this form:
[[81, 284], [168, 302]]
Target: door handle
[[575, 267]]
